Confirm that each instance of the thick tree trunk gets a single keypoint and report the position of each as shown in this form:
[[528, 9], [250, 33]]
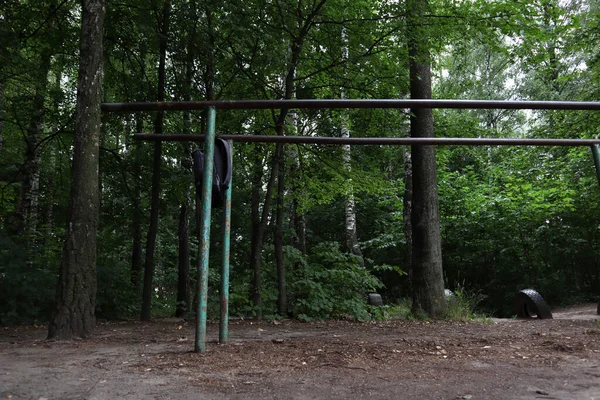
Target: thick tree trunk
[[74, 311], [156, 167], [428, 282]]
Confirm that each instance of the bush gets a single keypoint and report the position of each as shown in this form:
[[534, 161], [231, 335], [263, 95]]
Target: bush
[[26, 287], [462, 305], [332, 285]]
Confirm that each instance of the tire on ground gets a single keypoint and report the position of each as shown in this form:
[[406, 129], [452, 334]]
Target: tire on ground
[[528, 303]]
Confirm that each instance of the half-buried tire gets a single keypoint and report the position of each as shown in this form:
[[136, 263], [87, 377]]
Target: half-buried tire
[[529, 303]]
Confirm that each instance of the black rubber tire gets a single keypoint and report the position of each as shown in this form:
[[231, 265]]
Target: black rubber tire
[[528, 303]]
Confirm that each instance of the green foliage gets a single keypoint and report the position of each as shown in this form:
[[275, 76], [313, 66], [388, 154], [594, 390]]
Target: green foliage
[[26, 288], [115, 299], [332, 285], [400, 310], [510, 217], [463, 304]]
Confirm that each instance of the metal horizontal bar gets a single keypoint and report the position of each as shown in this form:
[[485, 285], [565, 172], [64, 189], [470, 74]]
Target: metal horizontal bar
[[349, 103], [372, 141]]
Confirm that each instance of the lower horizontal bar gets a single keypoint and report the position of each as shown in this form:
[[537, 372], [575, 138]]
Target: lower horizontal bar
[[372, 141]]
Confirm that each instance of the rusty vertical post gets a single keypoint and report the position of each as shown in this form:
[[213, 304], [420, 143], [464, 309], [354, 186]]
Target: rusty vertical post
[[224, 321], [204, 233]]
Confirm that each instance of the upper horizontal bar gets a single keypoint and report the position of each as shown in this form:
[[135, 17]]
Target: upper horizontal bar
[[349, 103], [372, 141]]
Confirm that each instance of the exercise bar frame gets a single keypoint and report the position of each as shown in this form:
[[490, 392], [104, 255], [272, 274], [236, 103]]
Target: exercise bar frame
[[349, 104], [209, 140]]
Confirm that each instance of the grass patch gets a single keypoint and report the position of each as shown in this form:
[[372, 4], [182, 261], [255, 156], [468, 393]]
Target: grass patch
[[462, 306]]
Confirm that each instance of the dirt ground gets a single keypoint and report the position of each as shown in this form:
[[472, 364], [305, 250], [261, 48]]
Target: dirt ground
[[496, 359]]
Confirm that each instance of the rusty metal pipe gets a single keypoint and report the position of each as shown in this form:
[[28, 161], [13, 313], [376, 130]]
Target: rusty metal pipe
[[350, 103], [374, 140]]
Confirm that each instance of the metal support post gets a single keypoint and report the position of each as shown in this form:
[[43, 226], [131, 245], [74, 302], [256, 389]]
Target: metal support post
[[224, 321], [204, 233]]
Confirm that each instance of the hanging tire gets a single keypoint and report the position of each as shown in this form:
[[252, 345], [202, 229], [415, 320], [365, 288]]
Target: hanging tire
[[529, 303]]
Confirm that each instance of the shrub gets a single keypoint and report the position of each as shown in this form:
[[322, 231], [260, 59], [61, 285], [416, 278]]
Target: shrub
[[332, 285]]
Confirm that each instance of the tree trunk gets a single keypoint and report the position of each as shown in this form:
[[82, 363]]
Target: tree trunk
[[349, 202], [137, 218], [74, 311], [297, 219], [279, 259], [183, 275], [136, 223], [51, 164], [304, 24], [156, 167], [259, 223], [27, 209], [256, 241], [428, 282], [350, 208]]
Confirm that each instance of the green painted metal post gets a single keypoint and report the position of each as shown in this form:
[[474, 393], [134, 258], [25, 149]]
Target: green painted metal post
[[224, 321], [204, 246]]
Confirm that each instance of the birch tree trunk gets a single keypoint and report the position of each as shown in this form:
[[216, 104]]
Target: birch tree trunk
[[74, 311], [349, 201], [27, 209], [297, 219], [51, 162]]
